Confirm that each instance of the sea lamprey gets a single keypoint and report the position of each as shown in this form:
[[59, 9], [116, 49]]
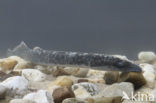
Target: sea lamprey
[[65, 58]]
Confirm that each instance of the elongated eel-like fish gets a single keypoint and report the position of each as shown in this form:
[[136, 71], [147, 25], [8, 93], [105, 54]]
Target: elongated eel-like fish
[[92, 60]]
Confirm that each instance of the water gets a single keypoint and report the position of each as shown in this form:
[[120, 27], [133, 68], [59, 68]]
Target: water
[[110, 27]]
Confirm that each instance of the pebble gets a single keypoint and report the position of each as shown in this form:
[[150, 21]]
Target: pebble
[[7, 64], [111, 77], [4, 76], [150, 79], [62, 81], [41, 96], [137, 79], [78, 72], [59, 84], [147, 56], [3, 90], [106, 100], [144, 90], [96, 73], [147, 68], [21, 101], [117, 89], [96, 76], [75, 71], [59, 94], [33, 75], [84, 90], [74, 100], [154, 94], [16, 85], [22, 64], [82, 80], [149, 74]]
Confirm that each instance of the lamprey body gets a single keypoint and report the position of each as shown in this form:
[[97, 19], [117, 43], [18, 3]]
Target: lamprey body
[[91, 60]]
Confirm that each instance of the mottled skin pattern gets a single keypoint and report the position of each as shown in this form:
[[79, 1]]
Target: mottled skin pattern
[[93, 60]]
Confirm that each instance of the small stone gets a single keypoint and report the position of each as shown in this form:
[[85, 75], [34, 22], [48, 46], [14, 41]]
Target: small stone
[[73, 100], [117, 99], [22, 64], [2, 91], [42, 96], [16, 85], [62, 81], [150, 79], [33, 75], [43, 69], [96, 76], [55, 70], [143, 91], [96, 73], [21, 101], [149, 74], [4, 76], [61, 70], [62, 93], [117, 89], [84, 90], [82, 80], [154, 94], [147, 67], [78, 72], [7, 64], [111, 77], [147, 56], [137, 79]]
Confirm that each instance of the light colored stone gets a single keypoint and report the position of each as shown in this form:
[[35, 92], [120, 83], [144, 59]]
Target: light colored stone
[[33, 75], [79, 72], [61, 70], [143, 91], [150, 79], [18, 59], [16, 85], [41, 96], [147, 67], [132, 101], [117, 89], [149, 74], [39, 85], [106, 100], [21, 101], [3, 90], [43, 69], [154, 94], [96, 73], [62, 81], [84, 90], [22, 64], [96, 76], [7, 64], [147, 56]]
